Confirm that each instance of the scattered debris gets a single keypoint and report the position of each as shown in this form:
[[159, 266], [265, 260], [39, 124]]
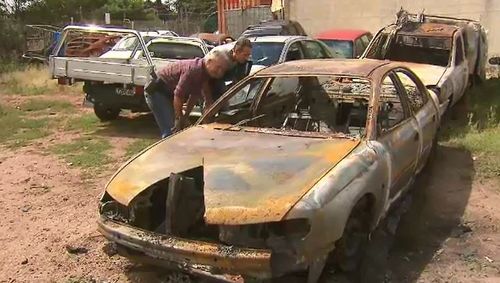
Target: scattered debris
[[70, 163], [460, 230], [488, 259], [437, 254], [41, 188], [26, 208], [110, 249], [76, 250]]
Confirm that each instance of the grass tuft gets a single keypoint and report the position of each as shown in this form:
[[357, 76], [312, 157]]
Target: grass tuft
[[86, 123], [86, 153], [32, 81], [137, 146], [17, 130], [47, 105], [478, 130]]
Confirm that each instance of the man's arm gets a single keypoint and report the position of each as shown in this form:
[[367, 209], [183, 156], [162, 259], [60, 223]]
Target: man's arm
[[189, 107], [180, 94], [207, 94]]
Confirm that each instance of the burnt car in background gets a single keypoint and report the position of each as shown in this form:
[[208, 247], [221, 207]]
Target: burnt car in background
[[447, 54], [346, 43], [296, 164]]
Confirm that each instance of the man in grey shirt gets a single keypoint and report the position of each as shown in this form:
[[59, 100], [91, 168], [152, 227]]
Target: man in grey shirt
[[239, 65]]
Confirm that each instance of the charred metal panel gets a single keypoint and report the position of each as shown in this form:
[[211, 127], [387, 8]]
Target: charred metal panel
[[249, 177], [253, 262]]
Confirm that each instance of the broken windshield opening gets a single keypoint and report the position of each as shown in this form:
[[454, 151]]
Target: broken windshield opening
[[419, 49], [326, 105]]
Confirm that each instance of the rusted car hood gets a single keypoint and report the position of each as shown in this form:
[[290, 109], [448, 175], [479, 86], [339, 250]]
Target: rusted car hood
[[428, 74], [249, 177]]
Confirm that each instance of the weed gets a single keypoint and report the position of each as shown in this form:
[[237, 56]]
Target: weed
[[31, 81], [479, 130], [85, 123], [48, 105], [86, 153], [18, 130], [137, 146]]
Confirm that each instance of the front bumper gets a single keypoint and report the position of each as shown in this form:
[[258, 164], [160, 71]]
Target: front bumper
[[188, 255]]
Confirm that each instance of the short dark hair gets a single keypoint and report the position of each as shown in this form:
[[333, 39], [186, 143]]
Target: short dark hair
[[241, 43]]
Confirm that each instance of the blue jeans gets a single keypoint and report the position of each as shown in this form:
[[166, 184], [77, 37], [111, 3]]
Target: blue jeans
[[162, 106]]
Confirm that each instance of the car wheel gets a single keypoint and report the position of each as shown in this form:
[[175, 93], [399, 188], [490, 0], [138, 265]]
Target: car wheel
[[349, 249], [106, 112]]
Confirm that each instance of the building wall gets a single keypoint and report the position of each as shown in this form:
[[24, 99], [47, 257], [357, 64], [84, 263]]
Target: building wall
[[320, 15], [239, 20]]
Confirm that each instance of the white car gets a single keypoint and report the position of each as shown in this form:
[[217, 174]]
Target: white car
[[272, 50], [160, 47]]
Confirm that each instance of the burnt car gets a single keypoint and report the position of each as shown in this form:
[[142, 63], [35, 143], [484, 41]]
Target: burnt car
[[294, 165], [447, 54]]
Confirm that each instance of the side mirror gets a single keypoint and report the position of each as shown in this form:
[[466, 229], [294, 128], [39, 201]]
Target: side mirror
[[494, 61]]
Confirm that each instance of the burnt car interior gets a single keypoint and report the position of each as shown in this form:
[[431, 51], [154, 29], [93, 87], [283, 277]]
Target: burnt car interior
[[424, 50], [326, 105], [405, 46]]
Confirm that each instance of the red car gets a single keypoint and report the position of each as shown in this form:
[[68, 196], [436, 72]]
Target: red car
[[346, 43]]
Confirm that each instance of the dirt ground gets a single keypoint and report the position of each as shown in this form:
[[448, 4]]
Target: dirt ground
[[48, 217]]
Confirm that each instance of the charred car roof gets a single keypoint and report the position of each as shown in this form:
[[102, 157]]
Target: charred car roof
[[351, 67], [428, 29]]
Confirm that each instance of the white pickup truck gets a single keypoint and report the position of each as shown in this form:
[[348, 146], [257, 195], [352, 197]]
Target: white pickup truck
[[448, 54], [115, 80]]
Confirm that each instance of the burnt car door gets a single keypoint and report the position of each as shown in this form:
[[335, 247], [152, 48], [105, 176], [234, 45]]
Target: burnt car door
[[397, 131], [424, 110], [460, 69]]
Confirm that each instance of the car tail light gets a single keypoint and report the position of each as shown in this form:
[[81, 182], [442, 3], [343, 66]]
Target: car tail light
[[139, 90]]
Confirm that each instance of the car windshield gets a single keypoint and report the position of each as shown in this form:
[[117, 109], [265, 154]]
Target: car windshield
[[419, 49], [266, 53], [175, 50], [127, 43], [341, 48], [310, 105]]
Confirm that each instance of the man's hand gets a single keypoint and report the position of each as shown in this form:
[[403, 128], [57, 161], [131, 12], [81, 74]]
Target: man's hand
[[178, 124], [181, 123]]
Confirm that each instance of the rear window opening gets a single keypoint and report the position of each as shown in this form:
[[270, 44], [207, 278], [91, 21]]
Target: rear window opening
[[423, 50], [322, 105]]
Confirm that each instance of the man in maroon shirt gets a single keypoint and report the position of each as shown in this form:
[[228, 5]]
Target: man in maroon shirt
[[184, 80]]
